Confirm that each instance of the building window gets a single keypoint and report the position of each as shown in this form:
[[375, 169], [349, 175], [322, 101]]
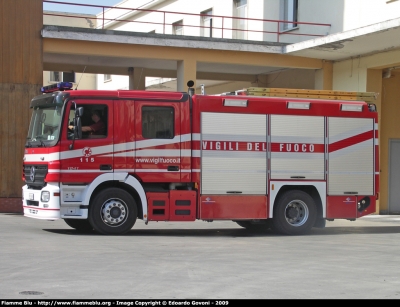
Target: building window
[[177, 28], [206, 23], [240, 23], [158, 122], [107, 77], [62, 76], [289, 8]]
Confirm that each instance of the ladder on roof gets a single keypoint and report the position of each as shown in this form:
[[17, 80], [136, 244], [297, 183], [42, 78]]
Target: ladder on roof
[[311, 94]]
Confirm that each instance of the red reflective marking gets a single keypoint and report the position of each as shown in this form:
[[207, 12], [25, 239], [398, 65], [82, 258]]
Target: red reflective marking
[[350, 141], [45, 209]]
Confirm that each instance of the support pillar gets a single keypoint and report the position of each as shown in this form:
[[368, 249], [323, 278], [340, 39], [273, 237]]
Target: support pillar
[[324, 77], [137, 78], [375, 84], [186, 71], [21, 77]]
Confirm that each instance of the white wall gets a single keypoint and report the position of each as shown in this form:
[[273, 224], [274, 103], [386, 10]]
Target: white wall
[[342, 15], [360, 13], [117, 82]]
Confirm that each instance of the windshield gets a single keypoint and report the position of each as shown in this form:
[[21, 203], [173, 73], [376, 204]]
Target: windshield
[[44, 127]]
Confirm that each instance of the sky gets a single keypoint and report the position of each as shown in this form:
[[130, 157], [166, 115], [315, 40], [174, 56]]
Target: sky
[[78, 9]]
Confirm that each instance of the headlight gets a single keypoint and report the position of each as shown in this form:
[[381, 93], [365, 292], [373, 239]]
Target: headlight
[[45, 197]]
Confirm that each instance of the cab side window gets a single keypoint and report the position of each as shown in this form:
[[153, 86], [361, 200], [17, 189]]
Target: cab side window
[[158, 122], [94, 121]]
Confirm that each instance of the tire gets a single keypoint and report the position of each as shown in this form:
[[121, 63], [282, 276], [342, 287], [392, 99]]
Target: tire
[[79, 225], [258, 226], [295, 213], [113, 211]]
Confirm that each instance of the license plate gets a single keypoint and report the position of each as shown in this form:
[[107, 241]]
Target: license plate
[[33, 211]]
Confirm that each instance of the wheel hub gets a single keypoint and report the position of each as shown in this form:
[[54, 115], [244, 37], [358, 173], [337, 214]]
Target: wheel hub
[[296, 213], [114, 212], [292, 213]]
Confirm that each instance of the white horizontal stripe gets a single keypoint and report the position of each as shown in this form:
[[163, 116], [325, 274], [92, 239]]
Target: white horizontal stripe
[[349, 133], [163, 153], [234, 154], [296, 155], [125, 146], [42, 157], [294, 172], [155, 170], [150, 153], [83, 171], [196, 153], [106, 150], [219, 171], [151, 143], [79, 153], [196, 136], [186, 137], [156, 142], [233, 138], [297, 139], [350, 173]]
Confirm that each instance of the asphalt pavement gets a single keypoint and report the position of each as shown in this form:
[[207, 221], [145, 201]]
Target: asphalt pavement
[[199, 260]]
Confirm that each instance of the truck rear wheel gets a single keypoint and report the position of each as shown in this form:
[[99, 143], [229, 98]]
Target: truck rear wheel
[[79, 225], [113, 211], [295, 213]]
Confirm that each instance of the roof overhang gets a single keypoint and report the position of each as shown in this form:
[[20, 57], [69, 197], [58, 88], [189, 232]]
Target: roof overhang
[[364, 41]]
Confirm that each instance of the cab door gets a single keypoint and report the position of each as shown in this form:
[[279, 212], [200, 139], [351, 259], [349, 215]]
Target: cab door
[[158, 141], [82, 160]]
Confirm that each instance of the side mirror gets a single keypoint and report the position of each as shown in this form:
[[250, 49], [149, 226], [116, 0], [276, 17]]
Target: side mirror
[[78, 130], [79, 112]]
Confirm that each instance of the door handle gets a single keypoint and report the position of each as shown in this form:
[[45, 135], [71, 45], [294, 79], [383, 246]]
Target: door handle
[[105, 167], [173, 168]]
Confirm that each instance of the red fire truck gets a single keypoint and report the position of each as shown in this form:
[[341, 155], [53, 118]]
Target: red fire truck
[[260, 158]]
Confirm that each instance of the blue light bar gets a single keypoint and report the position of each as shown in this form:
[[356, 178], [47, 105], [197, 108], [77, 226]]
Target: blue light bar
[[60, 86]]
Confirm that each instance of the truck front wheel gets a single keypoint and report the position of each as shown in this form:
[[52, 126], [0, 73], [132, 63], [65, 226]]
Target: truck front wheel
[[295, 213], [113, 211]]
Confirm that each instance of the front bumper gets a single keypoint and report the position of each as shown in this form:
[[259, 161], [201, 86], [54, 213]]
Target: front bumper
[[34, 207]]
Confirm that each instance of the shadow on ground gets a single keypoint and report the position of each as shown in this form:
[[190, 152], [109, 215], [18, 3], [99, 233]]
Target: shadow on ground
[[236, 232]]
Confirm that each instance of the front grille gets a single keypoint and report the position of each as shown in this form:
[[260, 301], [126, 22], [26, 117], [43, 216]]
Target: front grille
[[37, 174], [32, 203]]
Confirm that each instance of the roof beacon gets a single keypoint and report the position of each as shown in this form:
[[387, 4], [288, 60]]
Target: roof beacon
[[60, 86]]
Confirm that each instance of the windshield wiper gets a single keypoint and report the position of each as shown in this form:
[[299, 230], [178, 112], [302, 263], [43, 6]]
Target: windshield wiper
[[30, 143], [42, 143]]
